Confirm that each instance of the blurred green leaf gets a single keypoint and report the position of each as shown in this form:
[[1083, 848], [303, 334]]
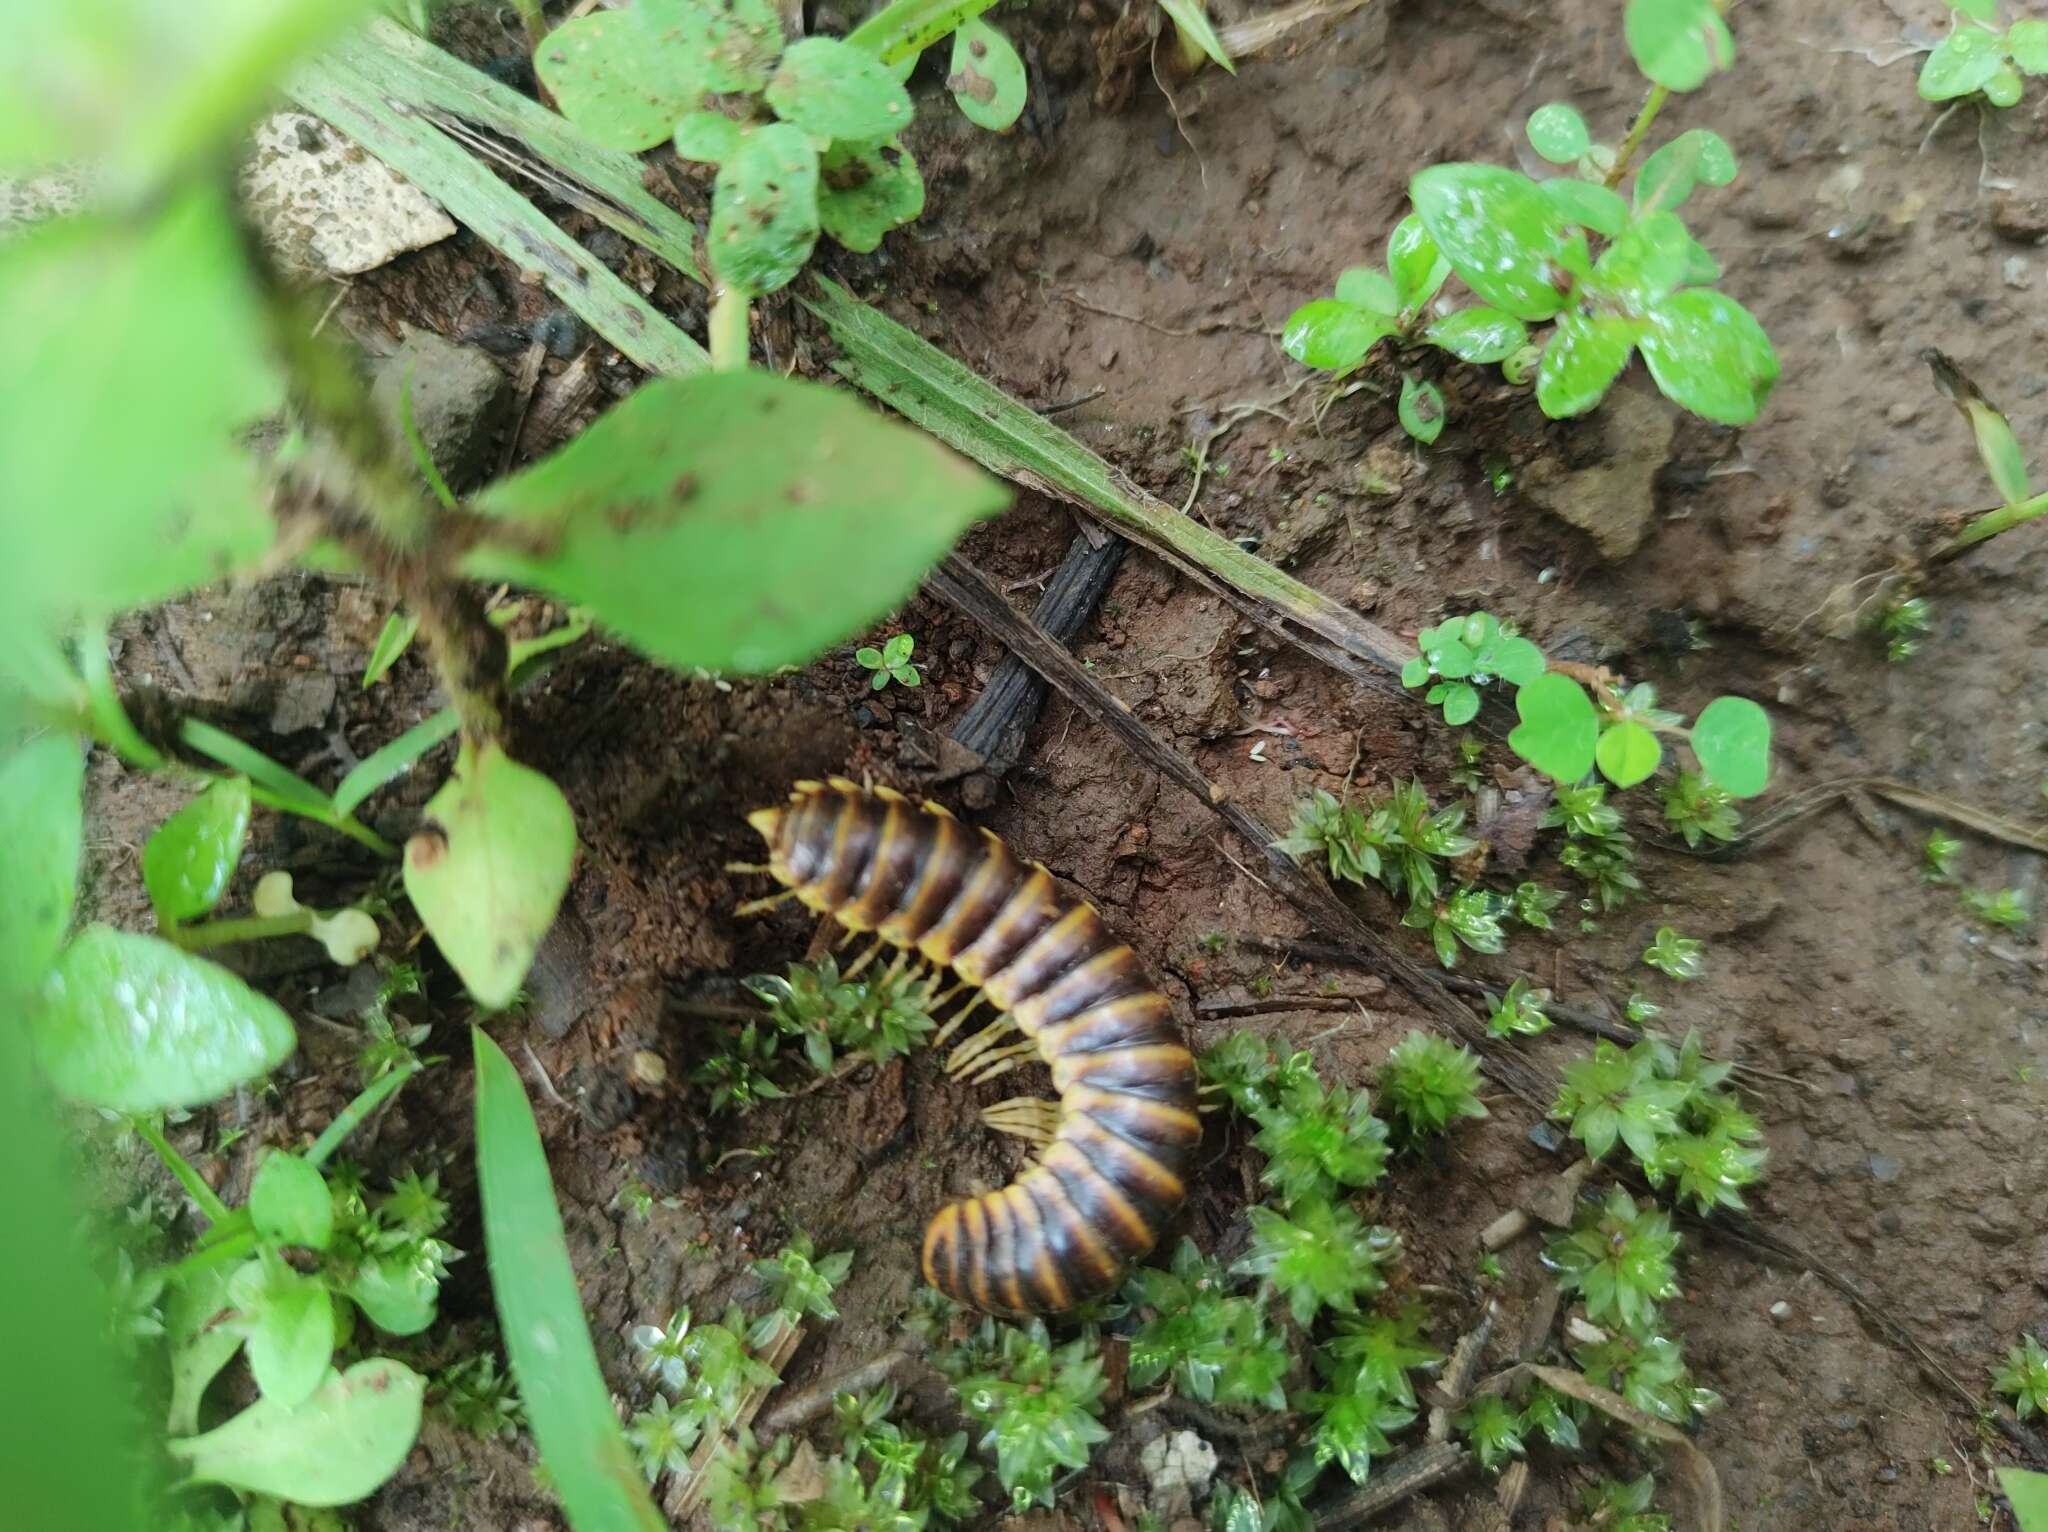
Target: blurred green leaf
[[289, 1202], [187, 863], [1365, 288], [1559, 729], [1479, 335], [1558, 133], [707, 136], [392, 641], [1709, 355], [1668, 176], [1421, 410], [1588, 204], [1961, 63], [1627, 754], [2028, 1492], [1193, 21], [1646, 263], [865, 191], [833, 90], [41, 827], [986, 76], [732, 43], [1332, 335], [1732, 738], [618, 78], [764, 209], [1500, 233], [334, 1448], [2026, 44], [1414, 262], [1678, 43], [288, 1321], [1583, 357]]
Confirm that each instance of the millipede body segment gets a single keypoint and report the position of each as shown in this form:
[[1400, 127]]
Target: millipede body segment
[[1117, 1146]]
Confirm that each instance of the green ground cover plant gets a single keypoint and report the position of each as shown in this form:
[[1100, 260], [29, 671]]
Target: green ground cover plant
[[1978, 58]]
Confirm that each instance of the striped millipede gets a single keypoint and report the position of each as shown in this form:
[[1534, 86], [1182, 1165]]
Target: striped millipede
[[1115, 1149]]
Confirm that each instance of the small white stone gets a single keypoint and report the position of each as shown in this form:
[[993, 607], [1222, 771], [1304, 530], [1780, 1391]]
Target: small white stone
[[324, 206], [1781, 1309]]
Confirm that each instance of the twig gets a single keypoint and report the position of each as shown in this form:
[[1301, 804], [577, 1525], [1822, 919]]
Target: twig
[[800, 1409], [1270, 1004], [1826, 794], [686, 1490], [1409, 1474], [1071, 404]]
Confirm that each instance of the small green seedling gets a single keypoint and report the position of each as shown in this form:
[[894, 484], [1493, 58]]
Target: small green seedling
[[737, 1075], [1617, 1258], [1902, 623], [1470, 917], [2024, 1378], [473, 1395], [1317, 1140], [1366, 1393], [1648, 1371], [1462, 654], [1938, 856], [1682, 957], [2004, 909], [1217, 1346], [1520, 1011], [1318, 1255], [704, 1373], [1556, 1415], [1536, 906], [891, 662], [1666, 1105], [1248, 1069], [1397, 843], [1978, 59], [879, 1016], [1700, 811], [1615, 1506], [2004, 460], [1493, 1427], [1428, 1083], [1042, 1405]]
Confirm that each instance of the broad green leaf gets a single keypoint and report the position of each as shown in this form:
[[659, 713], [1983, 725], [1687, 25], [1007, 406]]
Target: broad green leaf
[[2004, 86], [1732, 738], [41, 825], [1479, 335], [1560, 728], [1414, 262], [1646, 263], [733, 44], [1192, 18], [1700, 266], [194, 1365], [2026, 44], [540, 1311], [1709, 355], [289, 1202], [393, 640], [288, 1321], [187, 863], [1588, 204], [1558, 133], [1371, 290], [1696, 156], [1516, 660], [1627, 754], [903, 29], [2028, 1492], [1332, 335], [1500, 233], [986, 76], [865, 192], [1962, 63], [398, 1296], [1461, 704], [613, 80], [121, 491], [2000, 449], [736, 521], [833, 90], [1415, 671], [707, 136], [1678, 43], [332, 1449], [1421, 410], [132, 1023], [1985, 11], [1585, 354], [764, 209], [488, 870], [149, 86]]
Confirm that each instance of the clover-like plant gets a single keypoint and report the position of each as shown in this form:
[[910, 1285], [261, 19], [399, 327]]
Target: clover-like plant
[[1318, 1254], [1976, 58], [1617, 1258], [889, 663], [1428, 1083], [1462, 654]]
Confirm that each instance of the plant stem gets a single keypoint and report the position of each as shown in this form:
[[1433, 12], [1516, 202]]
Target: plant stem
[[215, 1210], [207, 1256], [109, 719], [1637, 131], [245, 928], [1986, 525], [728, 326], [351, 1116]]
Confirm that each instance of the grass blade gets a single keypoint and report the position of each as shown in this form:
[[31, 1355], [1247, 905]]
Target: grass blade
[[906, 28], [389, 762], [540, 1313], [276, 787]]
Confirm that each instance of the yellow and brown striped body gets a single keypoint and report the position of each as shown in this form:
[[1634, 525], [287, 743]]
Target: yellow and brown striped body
[[1115, 1170]]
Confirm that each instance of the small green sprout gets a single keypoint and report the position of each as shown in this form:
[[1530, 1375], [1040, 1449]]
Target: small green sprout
[[1319, 1254], [1470, 916], [2005, 909], [1699, 811], [1641, 1008], [1520, 1011], [1617, 1507], [1938, 856], [635, 1199], [1535, 906], [1466, 774], [1042, 1406], [1383, 1349], [737, 1075], [1599, 851], [1618, 1095], [889, 663], [880, 1016], [1488, 1268], [1648, 1371], [1558, 1416], [1902, 624], [2024, 1378], [1355, 1418], [1316, 1140], [800, 1282], [474, 1396], [1213, 943], [1682, 957], [1978, 59], [1618, 1259], [1396, 843], [744, 1484], [1493, 1428], [1218, 1347], [1462, 654], [1247, 1068], [1428, 1083]]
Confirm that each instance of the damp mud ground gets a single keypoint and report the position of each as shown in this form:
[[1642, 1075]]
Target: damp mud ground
[[1144, 254]]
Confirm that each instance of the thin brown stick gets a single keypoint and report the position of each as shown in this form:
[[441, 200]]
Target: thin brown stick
[[800, 1409], [1409, 1474]]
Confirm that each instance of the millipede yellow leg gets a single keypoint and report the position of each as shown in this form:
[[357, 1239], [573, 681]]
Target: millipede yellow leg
[[756, 906], [748, 867], [1002, 1061], [846, 941], [965, 1056], [867, 957], [939, 1037], [1032, 1118]]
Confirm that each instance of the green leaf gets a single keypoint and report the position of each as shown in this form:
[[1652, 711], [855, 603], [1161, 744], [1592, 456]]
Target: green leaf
[[1415, 671], [194, 1365], [2026, 44], [99, 523], [388, 763], [681, 527], [1678, 43], [1421, 410], [1479, 335], [1646, 263], [1709, 355], [1627, 754], [1414, 262], [1193, 22], [905, 28], [392, 641], [187, 863], [41, 825], [1515, 659], [867, 191], [707, 136], [287, 786], [1586, 353], [396, 1294], [1371, 290], [1999, 448], [2028, 1491], [1732, 738], [898, 649], [2004, 86], [1588, 204], [732, 43], [1558, 133], [289, 1322], [1559, 729], [986, 76], [332, 1449], [764, 209], [289, 1202], [488, 871], [1461, 704], [1669, 175], [131, 1023], [833, 90], [540, 1312], [611, 79], [1500, 234], [1962, 63], [1332, 335], [1985, 11]]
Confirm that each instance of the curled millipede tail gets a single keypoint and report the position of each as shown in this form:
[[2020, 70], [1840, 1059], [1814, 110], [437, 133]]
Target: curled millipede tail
[[1119, 1142]]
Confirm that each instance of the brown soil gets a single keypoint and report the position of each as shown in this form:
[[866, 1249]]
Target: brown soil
[[1897, 1043]]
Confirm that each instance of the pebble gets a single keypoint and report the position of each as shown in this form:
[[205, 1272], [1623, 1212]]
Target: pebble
[[1902, 414], [1781, 1310], [2022, 218]]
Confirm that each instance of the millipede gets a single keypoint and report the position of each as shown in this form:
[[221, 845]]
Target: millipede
[[1115, 1149]]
